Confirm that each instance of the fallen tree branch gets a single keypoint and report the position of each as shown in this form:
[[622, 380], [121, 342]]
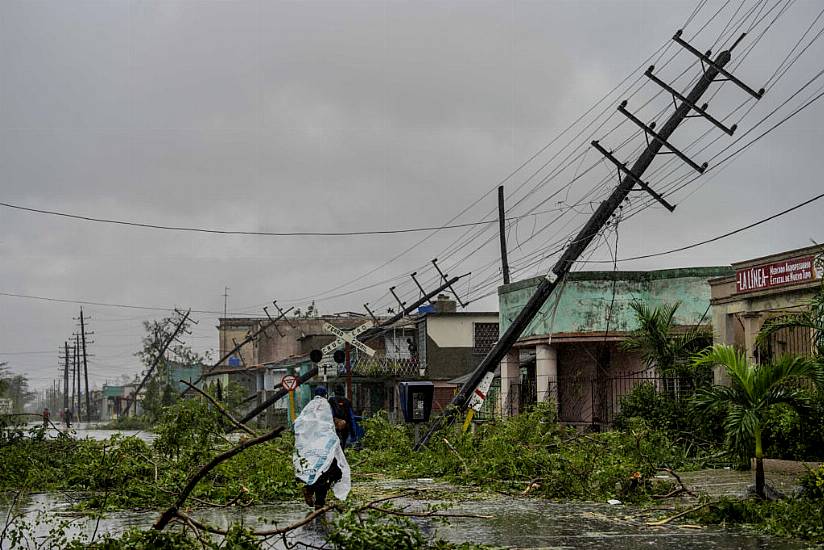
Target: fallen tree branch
[[220, 408], [261, 533], [678, 490], [454, 450], [372, 505], [533, 484], [429, 514], [172, 511], [678, 515]]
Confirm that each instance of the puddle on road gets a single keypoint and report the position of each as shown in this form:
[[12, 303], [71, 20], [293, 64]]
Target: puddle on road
[[517, 522]]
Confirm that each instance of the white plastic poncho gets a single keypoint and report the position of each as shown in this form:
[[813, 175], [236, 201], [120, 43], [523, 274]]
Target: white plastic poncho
[[317, 444]]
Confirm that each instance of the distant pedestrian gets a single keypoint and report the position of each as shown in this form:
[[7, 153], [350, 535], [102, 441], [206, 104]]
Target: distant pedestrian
[[46, 417], [67, 417]]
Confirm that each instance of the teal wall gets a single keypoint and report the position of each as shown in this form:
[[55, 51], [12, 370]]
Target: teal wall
[[586, 297]]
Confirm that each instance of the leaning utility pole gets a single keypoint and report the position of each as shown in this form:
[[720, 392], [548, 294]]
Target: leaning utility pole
[[367, 335], [85, 365], [156, 360], [631, 177], [502, 231], [249, 338]]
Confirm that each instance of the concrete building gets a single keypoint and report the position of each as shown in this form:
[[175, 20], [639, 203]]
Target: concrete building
[[436, 344], [451, 344], [761, 288], [115, 398], [284, 349], [570, 352]]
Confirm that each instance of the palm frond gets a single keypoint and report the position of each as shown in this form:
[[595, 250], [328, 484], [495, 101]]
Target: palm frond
[[787, 370], [797, 398], [718, 398], [733, 360], [740, 425]]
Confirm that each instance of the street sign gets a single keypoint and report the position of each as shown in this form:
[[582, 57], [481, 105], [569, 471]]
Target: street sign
[[289, 382], [478, 397], [347, 337], [476, 400]]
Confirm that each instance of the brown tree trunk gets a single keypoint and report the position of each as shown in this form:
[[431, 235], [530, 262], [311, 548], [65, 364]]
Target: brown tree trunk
[[759, 478]]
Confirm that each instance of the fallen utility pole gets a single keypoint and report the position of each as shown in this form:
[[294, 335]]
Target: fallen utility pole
[[249, 338], [156, 360], [370, 334], [590, 230]]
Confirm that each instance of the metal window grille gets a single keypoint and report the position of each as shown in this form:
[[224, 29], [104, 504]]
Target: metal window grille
[[486, 334]]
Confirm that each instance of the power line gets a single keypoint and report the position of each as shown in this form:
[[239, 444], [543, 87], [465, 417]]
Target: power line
[[253, 233], [713, 239], [105, 304]]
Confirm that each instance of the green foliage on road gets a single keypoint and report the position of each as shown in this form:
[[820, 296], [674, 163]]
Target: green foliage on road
[[127, 472], [797, 518], [533, 453]]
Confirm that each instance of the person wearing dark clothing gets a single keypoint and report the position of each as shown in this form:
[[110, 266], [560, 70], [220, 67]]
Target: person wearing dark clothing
[[315, 494], [46, 417], [342, 415]]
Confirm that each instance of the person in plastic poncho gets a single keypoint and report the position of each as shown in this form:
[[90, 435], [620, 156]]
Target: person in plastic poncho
[[318, 458]]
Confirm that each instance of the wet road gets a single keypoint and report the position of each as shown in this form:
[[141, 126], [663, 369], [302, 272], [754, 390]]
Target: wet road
[[516, 522]]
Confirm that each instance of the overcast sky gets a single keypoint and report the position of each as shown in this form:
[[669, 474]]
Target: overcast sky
[[350, 116]]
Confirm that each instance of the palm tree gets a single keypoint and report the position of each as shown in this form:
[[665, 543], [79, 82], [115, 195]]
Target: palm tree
[[658, 341], [754, 390]]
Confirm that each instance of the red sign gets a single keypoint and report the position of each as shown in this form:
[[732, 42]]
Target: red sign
[[787, 272], [289, 382]]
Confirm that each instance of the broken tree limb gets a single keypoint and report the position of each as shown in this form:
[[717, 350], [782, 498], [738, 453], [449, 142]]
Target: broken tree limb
[[429, 514], [261, 533], [678, 515], [220, 408], [454, 450], [681, 488], [372, 505], [172, 511]]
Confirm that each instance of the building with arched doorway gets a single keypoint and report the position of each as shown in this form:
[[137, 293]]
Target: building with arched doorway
[[759, 289]]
